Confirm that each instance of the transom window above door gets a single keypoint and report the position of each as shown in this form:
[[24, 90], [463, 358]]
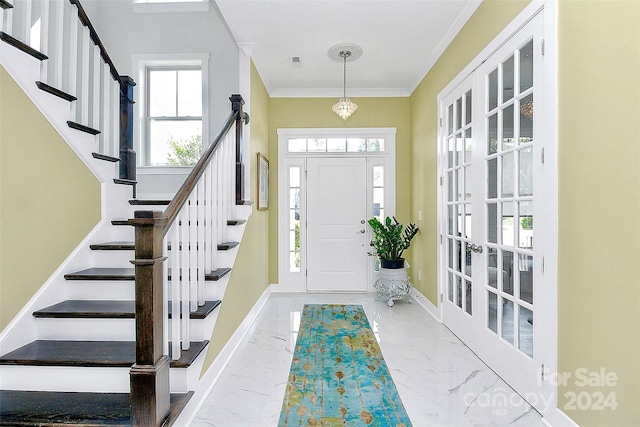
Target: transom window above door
[[336, 145]]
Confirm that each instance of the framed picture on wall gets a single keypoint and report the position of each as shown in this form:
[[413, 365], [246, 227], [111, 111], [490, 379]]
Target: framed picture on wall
[[263, 182]]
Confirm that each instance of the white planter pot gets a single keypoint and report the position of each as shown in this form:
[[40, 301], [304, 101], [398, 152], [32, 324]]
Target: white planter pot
[[392, 284]]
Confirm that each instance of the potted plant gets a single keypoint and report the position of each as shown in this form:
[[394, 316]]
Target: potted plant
[[390, 240]]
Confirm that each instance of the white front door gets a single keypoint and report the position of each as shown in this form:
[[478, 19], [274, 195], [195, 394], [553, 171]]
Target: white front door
[[336, 224], [493, 176]]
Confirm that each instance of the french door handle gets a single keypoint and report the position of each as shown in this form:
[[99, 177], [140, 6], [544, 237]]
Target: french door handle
[[476, 248], [363, 231]]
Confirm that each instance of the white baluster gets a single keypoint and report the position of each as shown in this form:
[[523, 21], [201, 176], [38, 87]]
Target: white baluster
[[166, 295], [219, 204], [8, 20], [25, 31], [184, 283], [44, 39], [114, 146], [85, 98], [198, 297], [58, 40], [74, 23], [97, 101], [176, 287], [105, 106], [193, 251], [213, 241]]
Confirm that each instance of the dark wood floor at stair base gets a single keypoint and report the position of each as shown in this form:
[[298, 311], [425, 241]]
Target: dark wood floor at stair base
[[38, 408], [105, 309], [106, 354]]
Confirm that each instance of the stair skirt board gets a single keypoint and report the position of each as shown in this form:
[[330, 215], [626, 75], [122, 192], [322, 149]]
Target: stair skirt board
[[32, 408]]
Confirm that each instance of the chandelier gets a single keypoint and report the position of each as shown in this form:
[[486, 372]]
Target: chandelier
[[345, 107]]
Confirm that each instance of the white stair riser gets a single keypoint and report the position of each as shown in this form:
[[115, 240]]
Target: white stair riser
[[122, 290], [86, 329], [113, 259], [88, 379], [64, 378]]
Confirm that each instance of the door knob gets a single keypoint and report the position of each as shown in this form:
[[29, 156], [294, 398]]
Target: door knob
[[362, 221], [476, 248], [363, 231]]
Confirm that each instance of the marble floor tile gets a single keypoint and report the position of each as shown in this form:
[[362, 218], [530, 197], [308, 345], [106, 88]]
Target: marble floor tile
[[440, 381]]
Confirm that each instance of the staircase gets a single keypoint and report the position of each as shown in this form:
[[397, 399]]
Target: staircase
[[105, 342]]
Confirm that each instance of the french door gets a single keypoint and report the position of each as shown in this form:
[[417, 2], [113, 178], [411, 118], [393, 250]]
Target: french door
[[492, 165]]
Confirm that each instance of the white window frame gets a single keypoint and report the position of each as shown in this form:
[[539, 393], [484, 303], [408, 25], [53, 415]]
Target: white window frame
[[141, 63], [296, 281]]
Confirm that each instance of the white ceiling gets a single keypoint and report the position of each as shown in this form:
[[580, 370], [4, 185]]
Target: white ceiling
[[401, 40]]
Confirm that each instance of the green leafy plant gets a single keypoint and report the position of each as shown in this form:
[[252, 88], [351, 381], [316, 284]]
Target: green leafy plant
[[527, 223], [389, 239], [185, 152]]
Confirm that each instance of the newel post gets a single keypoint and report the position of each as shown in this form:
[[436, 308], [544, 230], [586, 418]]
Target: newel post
[[127, 154], [243, 118], [150, 375]]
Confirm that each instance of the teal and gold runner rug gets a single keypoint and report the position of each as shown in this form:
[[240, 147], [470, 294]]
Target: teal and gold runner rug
[[338, 376]]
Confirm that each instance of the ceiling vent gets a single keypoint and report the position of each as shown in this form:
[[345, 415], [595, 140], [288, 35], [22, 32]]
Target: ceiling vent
[[296, 59]]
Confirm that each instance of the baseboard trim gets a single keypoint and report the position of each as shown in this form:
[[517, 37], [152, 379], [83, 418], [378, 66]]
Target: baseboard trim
[[211, 376], [424, 302]]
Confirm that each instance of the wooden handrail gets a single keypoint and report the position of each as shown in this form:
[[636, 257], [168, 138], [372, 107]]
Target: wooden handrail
[[172, 210], [84, 19]]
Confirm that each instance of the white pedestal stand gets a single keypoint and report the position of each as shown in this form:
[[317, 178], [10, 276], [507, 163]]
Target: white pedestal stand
[[392, 284]]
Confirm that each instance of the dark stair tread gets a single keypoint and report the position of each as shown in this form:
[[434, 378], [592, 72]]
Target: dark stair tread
[[82, 128], [236, 222], [244, 203], [104, 157], [120, 222], [125, 181], [55, 91], [227, 245], [102, 273], [128, 246], [5, 4], [89, 353], [105, 309], [47, 408], [22, 46], [113, 246], [137, 202]]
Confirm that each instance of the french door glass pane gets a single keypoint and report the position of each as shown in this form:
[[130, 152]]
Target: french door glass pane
[[492, 222], [525, 265], [526, 119], [507, 79], [467, 103], [507, 175], [507, 320], [467, 146], [493, 90], [492, 311], [525, 231], [459, 291], [468, 298], [525, 175], [525, 331], [507, 272], [526, 66], [492, 134], [492, 178], [508, 230], [492, 273], [507, 128]]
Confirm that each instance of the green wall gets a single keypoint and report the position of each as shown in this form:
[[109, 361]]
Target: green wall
[[49, 200], [599, 202], [316, 113], [251, 276]]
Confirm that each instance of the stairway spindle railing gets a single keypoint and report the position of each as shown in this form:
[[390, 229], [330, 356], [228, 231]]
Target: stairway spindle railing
[[186, 235], [79, 65]]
